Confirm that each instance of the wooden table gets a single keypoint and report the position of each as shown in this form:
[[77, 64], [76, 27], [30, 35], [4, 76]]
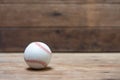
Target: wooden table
[[63, 66]]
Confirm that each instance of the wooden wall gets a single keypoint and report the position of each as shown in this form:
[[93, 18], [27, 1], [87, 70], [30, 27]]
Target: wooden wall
[[65, 25]]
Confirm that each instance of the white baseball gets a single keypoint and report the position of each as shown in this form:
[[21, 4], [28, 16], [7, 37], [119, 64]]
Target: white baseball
[[37, 55]]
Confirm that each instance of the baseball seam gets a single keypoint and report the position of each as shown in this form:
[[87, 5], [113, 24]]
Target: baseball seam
[[39, 45], [39, 62]]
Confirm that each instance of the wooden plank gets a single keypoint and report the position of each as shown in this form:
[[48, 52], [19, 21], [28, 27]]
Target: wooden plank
[[62, 39], [49, 15], [103, 15], [71, 66], [59, 1], [41, 15]]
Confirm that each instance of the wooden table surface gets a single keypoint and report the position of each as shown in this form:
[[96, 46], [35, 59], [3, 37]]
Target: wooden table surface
[[76, 66]]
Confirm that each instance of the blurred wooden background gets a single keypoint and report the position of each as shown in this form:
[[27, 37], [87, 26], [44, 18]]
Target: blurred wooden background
[[65, 25]]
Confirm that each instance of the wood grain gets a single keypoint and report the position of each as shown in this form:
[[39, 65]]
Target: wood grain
[[65, 25], [49, 15], [58, 1], [62, 39], [41, 15], [71, 66]]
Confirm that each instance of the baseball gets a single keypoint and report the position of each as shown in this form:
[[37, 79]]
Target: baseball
[[37, 55]]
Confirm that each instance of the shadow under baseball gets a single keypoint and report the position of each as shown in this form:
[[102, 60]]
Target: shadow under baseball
[[44, 69]]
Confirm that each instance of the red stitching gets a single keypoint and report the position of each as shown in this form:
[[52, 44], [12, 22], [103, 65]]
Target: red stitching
[[39, 45], [40, 62]]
